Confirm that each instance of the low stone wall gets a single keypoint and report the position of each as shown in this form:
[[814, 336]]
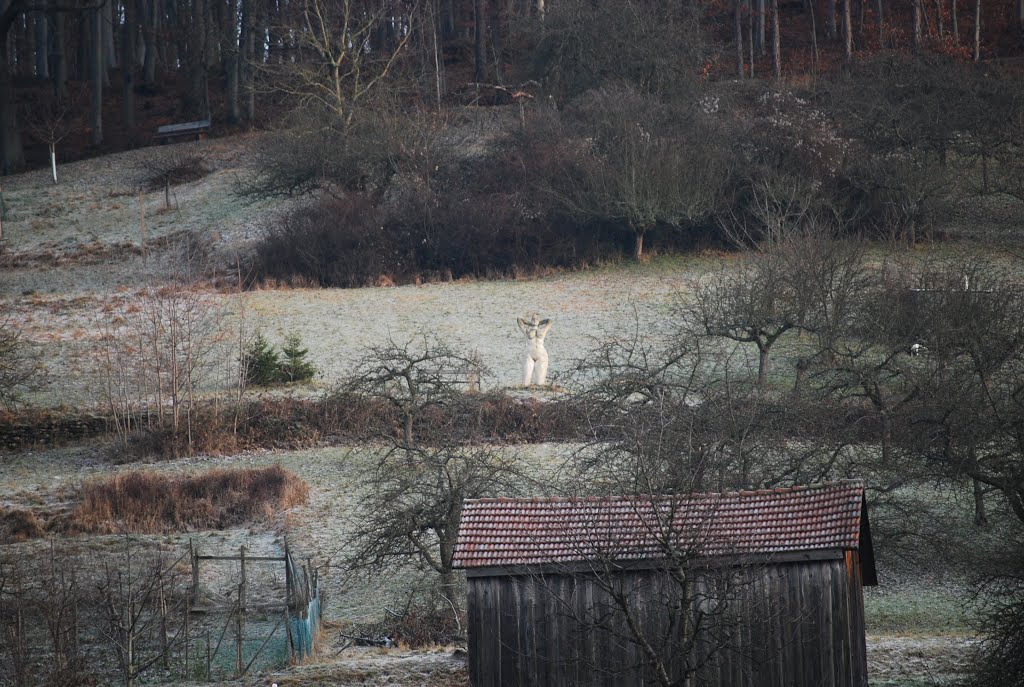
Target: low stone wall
[[49, 429]]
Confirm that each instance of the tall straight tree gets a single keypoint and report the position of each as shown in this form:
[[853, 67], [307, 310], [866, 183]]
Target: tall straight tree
[[879, 20], [58, 58], [196, 99], [776, 41], [231, 66], [738, 35], [847, 33], [977, 30], [42, 43], [148, 17], [12, 156], [496, 42], [480, 36], [97, 64], [917, 27], [248, 42], [760, 42], [129, 36]]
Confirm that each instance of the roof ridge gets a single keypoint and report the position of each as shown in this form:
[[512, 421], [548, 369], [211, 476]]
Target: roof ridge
[[796, 488]]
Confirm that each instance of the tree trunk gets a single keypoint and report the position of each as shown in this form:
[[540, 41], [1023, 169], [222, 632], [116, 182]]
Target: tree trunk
[[917, 27], [11, 152], [847, 33], [738, 36], [42, 43], [881, 23], [109, 53], [750, 35], [814, 36], [956, 25], [479, 34], [448, 589], [638, 245], [886, 437], [407, 433], [977, 30], [58, 58], [496, 43], [938, 18], [830, 19], [196, 97], [776, 41], [760, 27], [447, 20], [762, 364], [248, 59], [231, 44], [97, 62], [128, 41], [980, 514], [147, 15]]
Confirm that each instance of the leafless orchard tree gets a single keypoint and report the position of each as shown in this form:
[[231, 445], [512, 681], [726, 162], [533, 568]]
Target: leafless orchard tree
[[21, 369], [140, 611], [413, 494]]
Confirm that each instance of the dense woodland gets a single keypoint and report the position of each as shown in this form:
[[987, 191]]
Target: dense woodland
[[102, 74]]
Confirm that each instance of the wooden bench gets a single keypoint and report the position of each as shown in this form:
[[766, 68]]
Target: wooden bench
[[168, 132]]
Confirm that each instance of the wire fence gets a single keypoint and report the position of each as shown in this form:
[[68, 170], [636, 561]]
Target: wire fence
[[73, 616]]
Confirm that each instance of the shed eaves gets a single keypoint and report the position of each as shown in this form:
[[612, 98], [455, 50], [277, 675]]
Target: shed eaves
[[541, 531]]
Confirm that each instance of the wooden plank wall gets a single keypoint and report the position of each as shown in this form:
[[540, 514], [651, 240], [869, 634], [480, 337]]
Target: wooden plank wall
[[798, 623]]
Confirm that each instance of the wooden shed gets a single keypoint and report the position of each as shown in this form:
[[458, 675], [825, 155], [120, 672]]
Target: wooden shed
[[759, 588]]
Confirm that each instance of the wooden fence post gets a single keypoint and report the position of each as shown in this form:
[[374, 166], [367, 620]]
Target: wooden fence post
[[194, 555], [142, 224], [240, 627]]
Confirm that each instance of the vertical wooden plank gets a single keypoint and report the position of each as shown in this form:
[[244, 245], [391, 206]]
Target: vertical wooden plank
[[857, 625], [826, 571], [490, 632], [472, 630], [841, 628]]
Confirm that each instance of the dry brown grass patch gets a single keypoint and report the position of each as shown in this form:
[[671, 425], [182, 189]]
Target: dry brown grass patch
[[152, 502], [18, 525]]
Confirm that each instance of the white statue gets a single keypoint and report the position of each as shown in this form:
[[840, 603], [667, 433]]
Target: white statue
[[536, 355]]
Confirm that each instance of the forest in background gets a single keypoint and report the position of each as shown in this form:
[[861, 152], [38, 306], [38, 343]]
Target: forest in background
[[97, 76]]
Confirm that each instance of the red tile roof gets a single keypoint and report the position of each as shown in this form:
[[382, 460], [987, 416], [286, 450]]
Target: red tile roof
[[537, 531]]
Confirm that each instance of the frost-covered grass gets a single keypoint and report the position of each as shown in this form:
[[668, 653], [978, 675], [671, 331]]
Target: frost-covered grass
[[918, 609]]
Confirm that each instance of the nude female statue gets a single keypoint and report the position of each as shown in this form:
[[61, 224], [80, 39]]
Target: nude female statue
[[536, 355]]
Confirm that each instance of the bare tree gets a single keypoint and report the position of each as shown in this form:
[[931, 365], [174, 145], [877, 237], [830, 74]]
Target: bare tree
[[754, 303], [639, 169], [50, 122], [20, 367], [340, 58], [135, 593], [414, 493], [153, 358]]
